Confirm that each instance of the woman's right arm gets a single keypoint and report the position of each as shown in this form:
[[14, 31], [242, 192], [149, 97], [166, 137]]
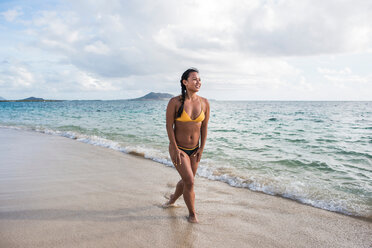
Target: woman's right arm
[[171, 110]]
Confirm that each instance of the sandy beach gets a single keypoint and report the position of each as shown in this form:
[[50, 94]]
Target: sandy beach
[[58, 192]]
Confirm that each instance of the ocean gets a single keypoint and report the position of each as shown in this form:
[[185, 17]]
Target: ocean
[[317, 153]]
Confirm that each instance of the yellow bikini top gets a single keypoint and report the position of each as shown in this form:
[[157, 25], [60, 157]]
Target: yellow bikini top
[[186, 118]]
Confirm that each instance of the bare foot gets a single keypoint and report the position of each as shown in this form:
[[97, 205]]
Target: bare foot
[[192, 219], [166, 205], [170, 203]]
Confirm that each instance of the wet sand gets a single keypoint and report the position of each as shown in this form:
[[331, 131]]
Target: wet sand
[[58, 192]]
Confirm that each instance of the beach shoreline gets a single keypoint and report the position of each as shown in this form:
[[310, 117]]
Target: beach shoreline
[[56, 192]]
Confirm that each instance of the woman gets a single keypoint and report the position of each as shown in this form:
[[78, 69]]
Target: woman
[[187, 121]]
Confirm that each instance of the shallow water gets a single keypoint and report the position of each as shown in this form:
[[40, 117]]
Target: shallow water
[[318, 153]]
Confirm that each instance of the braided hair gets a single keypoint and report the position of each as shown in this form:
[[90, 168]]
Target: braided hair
[[185, 76]]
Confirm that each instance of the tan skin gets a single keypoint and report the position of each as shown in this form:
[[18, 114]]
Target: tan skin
[[187, 134]]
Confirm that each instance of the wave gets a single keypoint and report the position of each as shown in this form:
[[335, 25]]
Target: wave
[[297, 163], [325, 140], [273, 186], [273, 119], [225, 130], [292, 190], [302, 141], [353, 153]]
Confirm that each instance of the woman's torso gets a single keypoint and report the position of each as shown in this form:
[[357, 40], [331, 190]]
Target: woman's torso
[[187, 132]]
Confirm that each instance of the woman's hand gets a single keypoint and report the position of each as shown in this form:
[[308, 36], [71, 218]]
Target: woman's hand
[[197, 154], [176, 158]]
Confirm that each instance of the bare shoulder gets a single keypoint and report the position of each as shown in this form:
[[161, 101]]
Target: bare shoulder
[[204, 101], [174, 101]]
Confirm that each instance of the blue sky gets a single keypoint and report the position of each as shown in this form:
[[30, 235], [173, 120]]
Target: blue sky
[[245, 50]]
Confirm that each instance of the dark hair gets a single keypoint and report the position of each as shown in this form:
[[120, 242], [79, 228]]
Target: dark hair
[[184, 76]]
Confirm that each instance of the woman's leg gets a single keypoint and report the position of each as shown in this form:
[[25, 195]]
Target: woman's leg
[[194, 164], [179, 187], [185, 186], [177, 193], [187, 176]]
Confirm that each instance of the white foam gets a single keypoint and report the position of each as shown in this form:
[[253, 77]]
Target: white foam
[[291, 190]]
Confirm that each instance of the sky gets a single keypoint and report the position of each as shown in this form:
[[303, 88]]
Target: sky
[[244, 50]]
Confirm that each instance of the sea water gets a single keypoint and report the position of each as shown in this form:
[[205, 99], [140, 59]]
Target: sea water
[[317, 153]]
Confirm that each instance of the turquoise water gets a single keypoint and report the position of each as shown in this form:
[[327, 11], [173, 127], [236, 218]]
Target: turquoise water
[[318, 153]]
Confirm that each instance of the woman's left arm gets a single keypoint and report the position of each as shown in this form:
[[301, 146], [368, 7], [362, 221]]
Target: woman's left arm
[[203, 130]]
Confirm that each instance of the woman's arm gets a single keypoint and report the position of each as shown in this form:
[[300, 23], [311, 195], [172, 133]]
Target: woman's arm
[[204, 128], [170, 122], [170, 114]]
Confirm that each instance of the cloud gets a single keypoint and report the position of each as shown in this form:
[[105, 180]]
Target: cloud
[[143, 32], [344, 76], [137, 43], [296, 28], [104, 46], [97, 47], [344, 71], [11, 15], [16, 76], [132, 45]]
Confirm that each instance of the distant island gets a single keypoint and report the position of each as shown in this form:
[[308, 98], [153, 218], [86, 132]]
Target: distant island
[[29, 99], [33, 99], [153, 96]]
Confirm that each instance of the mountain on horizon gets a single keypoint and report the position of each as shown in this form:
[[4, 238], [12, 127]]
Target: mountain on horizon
[[153, 96], [32, 99]]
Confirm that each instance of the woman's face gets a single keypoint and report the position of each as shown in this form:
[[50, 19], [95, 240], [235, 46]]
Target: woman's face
[[193, 82]]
